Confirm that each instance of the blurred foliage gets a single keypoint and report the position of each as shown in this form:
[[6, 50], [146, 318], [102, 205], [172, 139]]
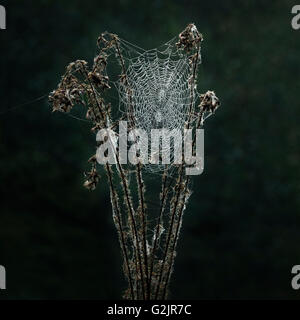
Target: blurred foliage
[[241, 230]]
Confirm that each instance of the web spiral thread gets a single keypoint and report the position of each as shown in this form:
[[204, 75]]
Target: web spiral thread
[[157, 93]]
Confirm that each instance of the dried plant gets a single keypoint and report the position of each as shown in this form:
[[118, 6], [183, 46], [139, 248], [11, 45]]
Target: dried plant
[[148, 248]]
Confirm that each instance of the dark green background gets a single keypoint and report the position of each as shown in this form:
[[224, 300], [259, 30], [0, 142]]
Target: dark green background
[[240, 237]]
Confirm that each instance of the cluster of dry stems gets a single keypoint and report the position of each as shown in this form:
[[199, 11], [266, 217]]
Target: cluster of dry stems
[[148, 260]]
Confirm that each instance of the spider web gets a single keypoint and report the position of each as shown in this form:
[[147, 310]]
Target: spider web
[[157, 93]]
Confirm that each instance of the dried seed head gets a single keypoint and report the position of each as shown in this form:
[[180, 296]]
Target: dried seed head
[[209, 102], [92, 179], [106, 41], [60, 101], [189, 38], [68, 92], [100, 62], [76, 66], [99, 80]]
